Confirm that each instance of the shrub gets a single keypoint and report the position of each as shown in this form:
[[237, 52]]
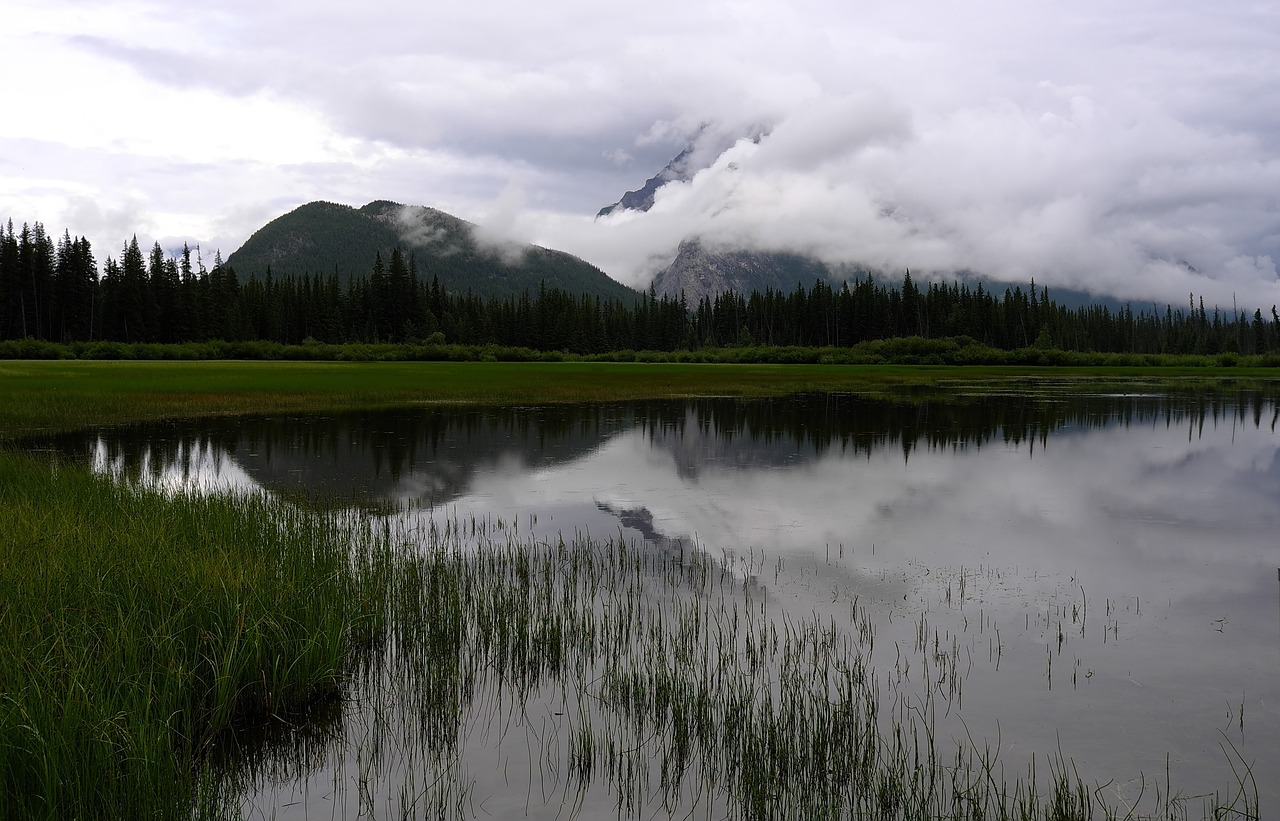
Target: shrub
[[32, 349]]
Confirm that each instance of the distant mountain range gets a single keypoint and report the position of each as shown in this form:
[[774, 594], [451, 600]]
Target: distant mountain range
[[699, 271], [327, 238]]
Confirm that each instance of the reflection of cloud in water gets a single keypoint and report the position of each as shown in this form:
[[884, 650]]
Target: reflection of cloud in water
[[1117, 498], [1165, 521], [1158, 533], [197, 466]]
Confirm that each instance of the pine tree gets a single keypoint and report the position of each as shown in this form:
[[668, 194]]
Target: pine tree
[[399, 298], [10, 322], [76, 288], [133, 294]]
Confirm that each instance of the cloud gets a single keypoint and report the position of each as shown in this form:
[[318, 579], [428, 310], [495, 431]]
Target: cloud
[[1076, 192], [497, 231], [418, 229], [120, 219], [1128, 149], [620, 157]]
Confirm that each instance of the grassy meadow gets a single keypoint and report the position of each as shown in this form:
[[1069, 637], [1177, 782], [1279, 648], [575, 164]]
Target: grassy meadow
[[49, 396], [140, 630]]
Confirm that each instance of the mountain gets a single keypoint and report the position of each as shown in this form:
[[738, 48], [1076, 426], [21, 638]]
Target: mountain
[[681, 169], [697, 272], [703, 150], [325, 238]]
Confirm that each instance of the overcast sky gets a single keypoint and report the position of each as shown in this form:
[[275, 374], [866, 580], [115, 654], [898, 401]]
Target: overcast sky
[[1125, 146]]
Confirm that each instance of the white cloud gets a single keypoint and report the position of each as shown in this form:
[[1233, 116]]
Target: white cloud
[[1129, 149], [620, 157], [498, 228]]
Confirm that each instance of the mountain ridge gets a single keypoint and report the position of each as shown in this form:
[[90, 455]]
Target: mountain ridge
[[326, 238], [702, 268], [678, 170]]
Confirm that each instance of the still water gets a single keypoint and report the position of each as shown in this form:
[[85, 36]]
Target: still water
[[1100, 573]]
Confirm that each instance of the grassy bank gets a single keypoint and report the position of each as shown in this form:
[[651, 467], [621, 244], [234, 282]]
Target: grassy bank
[[47, 396], [136, 631]]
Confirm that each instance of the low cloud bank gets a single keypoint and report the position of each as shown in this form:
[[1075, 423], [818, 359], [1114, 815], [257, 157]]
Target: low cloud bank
[[1074, 193]]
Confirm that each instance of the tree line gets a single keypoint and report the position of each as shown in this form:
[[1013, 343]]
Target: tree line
[[53, 290]]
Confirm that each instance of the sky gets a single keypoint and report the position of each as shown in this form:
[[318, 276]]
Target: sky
[[1130, 148]]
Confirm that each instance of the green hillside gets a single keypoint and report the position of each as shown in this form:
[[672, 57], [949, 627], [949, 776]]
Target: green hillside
[[326, 238]]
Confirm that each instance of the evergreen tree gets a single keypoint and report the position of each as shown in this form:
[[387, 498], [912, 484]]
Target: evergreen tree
[[10, 320], [134, 299]]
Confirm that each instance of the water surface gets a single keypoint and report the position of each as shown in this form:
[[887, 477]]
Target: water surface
[[1104, 569]]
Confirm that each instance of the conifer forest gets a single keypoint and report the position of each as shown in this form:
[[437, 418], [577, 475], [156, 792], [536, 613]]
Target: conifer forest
[[55, 290]]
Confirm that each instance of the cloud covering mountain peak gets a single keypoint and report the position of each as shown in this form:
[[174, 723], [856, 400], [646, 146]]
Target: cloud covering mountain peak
[[1073, 192], [1129, 148]]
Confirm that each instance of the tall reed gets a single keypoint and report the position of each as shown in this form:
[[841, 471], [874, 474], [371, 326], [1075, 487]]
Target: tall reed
[[138, 630], [674, 684]]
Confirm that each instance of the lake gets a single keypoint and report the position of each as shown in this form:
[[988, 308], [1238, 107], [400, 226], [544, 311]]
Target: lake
[[1052, 580]]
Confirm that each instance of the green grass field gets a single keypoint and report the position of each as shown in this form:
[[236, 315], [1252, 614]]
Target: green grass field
[[48, 396]]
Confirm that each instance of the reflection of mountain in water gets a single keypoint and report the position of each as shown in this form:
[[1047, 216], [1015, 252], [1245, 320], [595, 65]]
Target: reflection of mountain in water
[[370, 457], [433, 455], [430, 455]]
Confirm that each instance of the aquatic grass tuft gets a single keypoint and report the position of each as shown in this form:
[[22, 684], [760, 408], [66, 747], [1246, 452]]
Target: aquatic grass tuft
[[140, 631], [653, 681]]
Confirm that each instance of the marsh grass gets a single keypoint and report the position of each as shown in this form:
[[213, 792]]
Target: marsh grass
[[139, 630], [144, 635], [670, 682]]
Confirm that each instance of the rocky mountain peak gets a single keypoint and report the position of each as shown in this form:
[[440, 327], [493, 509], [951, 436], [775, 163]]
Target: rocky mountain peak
[[701, 271], [679, 169]]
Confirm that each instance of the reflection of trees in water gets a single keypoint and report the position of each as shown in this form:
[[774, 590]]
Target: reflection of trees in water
[[433, 454], [814, 424], [362, 457]]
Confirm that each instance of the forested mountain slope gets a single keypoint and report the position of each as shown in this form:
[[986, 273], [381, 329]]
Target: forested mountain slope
[[327, 238]]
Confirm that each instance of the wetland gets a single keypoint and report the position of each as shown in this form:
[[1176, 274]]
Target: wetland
[[1044, 603]]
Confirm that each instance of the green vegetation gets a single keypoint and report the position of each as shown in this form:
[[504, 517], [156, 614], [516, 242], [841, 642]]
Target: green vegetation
[[447, 288], [49, 396], [138, 630], [325, 238], [911, 350]]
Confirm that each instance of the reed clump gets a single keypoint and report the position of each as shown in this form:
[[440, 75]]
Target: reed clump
[[678, 688], [139, 630]]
